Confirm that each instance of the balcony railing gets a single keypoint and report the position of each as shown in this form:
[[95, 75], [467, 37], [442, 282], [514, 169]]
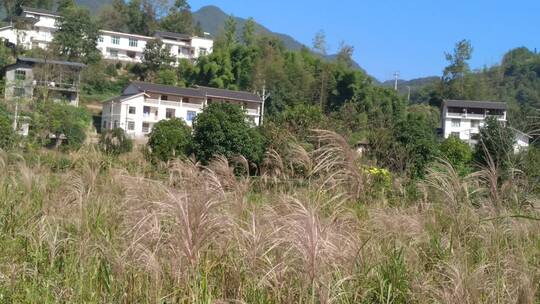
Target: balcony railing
[[472, 116]]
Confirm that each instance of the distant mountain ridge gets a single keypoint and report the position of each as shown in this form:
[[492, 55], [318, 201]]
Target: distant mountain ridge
[[212, 20], [414, 84]]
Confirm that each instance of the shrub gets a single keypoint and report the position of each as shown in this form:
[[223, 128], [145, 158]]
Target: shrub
[[496, 142], [7, 135], [60, 120], [115, 142], [223, 129], [417, 138], [457, 152], [170, 139]]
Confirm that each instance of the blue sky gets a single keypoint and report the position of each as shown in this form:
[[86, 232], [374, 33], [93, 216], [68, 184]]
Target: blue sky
[[409, 36]]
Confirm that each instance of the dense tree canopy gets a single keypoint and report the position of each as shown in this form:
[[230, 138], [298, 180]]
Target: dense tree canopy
[[223, 129], [76, 38]]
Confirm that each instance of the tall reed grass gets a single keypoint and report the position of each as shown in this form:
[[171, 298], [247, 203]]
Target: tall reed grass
[[307, 230]]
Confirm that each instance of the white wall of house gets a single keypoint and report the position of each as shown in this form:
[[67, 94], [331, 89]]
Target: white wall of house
[[522, 142], [465, 126], [137, 114]]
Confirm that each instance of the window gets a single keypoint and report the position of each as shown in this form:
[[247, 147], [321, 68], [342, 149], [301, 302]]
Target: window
[[133, 42], [145, 127], [456, 123], [115, 40], [132, 110], [146, 111], [456, 134], [20, 75], [131, 125], [164, 97], [185, 50], [202, 52], [19, 92], [170, 113], [115, 125], [475, 123], [113, 53], [104, 124], [191, 115], [131, 54], [185, 99], [100, 39]]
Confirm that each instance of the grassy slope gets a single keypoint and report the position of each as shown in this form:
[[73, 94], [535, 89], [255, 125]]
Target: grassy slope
[[86, 228]]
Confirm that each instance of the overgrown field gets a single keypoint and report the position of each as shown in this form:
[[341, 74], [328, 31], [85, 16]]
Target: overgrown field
[[317, 227]]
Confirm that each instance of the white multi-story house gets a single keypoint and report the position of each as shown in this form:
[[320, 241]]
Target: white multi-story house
[[142, 105], [464, 118], [36, 28]]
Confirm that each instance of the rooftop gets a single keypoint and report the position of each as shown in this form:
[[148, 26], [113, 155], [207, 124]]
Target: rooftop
[[197, 92], [39, 11], [475, 104], [163, 34], [45, 61], [167, 89], [229, 94]]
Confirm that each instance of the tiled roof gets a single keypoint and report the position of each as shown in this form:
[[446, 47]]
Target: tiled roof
[[167, 89], [475, 104], [59, 62], [39, 11], [197, 92], [229, 94], [163, 34]]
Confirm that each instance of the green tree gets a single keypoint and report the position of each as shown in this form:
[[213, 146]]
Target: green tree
[[76, 38], [167, 77], [248, 32], [229, 32], [67, 123], [179, 19], [7, 135], [170, 139], [496, 144], [115, 142], [300, 119], [223, 129], [417, 137], [157, 56], [458, 153], [455, 75]]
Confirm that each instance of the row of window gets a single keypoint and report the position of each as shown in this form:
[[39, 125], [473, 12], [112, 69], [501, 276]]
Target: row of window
[[116, 40], [169, 112], [134, 43], [456, 123]]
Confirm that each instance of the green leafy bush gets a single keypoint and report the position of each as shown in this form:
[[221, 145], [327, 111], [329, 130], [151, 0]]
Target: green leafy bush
[[170, 139], [67, 125], [223, 129], [7, 135], [496, 143], [457, 152], [115, 142]]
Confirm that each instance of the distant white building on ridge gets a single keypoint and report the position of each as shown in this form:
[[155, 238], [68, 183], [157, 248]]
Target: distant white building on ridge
[[36, 27], [464, 119]]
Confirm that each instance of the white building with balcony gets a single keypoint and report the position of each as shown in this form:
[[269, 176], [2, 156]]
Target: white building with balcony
[[142, 105], [465, 118], [36, 27]]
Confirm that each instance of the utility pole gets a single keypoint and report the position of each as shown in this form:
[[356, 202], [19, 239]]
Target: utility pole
[[396, 77], [264, 97], [409, 94]]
